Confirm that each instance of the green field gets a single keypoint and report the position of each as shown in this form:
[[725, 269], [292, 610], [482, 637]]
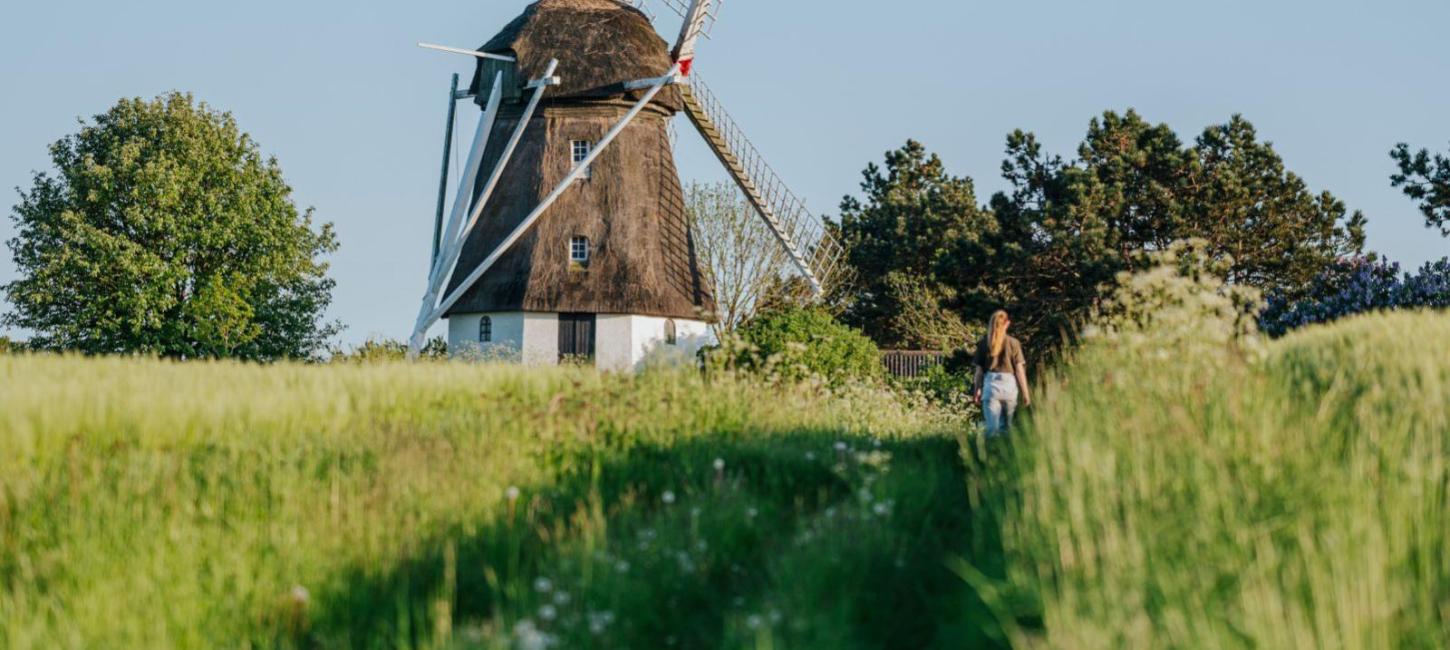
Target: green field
[[1283, 497], [1294, 499], [147, 504]]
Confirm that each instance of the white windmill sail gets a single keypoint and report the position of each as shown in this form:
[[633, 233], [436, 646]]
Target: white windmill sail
[[809, 244], [812, 248]]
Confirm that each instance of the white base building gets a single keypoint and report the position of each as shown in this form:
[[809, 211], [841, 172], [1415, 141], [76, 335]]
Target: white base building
[[612, 342]]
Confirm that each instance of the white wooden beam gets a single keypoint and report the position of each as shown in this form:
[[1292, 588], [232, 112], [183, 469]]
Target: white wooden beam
[[533, 217], [462, 198], [456, 239], [695, 18], [473, 53]]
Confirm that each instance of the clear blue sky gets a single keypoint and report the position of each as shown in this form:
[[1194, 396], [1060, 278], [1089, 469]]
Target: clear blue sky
[[354, 112]]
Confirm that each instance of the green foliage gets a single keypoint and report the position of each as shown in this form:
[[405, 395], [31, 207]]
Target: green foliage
[[799, 343], [1213, 500], [1425, 179], [454, 505], [8, 346], [377, 350], [897, 240], [1179, 303], [1068, 229], [1052, 247], [165, 231]]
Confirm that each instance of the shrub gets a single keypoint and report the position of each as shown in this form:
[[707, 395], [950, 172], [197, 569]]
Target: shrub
[[1357, 285], [797, 343], [1179, 302], [376, 350]]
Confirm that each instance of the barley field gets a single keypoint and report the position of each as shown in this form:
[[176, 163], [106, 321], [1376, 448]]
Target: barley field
[[1294, 494], [147, 504], [1291, 497]]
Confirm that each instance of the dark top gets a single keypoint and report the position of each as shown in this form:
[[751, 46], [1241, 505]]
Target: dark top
[[1009, 362]]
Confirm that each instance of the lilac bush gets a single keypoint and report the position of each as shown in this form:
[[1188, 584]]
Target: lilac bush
[[1357, 285]]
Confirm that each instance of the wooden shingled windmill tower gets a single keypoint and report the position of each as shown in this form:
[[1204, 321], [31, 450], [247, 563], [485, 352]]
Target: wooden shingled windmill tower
[[568, 237]]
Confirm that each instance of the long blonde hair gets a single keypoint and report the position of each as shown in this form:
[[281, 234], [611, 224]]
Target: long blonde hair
[[997, 334]]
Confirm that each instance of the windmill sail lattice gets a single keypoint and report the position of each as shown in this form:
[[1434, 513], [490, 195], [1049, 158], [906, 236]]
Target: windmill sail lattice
[[811, 247], [681, 8]]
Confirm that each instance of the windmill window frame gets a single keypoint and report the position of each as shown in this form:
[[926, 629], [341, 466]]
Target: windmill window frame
[[579, 251], [485, 329], [579, 150]]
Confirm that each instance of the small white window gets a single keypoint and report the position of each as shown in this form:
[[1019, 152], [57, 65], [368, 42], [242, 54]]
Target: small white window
[[579, 250], [579, 150], [485, 330], [671, 335]]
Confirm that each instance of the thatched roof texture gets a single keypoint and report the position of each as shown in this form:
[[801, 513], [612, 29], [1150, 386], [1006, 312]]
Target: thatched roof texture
[[600, 44]]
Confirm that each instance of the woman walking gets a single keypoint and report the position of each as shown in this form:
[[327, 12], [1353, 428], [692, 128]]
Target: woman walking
[[1001, 375]]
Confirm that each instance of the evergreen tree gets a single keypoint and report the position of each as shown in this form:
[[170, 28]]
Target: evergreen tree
[[894, 237], [1425, 179]]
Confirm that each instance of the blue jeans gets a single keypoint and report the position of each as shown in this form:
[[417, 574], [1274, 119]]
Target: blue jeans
[[999, 402]]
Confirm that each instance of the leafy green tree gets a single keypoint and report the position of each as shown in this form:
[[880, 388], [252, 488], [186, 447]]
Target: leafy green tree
[[895, 234], [1425, 179], [165, 231], [1065, 230]]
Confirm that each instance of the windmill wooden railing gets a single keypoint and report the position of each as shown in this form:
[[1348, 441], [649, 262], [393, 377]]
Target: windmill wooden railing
[[810, 246]]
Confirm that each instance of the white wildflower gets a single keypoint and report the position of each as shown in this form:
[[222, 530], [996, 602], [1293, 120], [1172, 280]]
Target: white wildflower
[[719, 464], [561, 598], [512, 492], [548, 612], [753, 621], [529, 637], [543, 585], [668, 497]]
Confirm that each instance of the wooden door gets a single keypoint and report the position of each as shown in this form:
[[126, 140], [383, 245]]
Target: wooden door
[[576, 338]]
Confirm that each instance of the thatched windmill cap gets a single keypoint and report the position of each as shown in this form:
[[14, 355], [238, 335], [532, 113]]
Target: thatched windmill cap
[[600, 44]]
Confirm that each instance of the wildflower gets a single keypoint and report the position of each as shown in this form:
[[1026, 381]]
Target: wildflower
[[621, 566], [881, 509], [668, 497], [810, 455], [840, 445], [299, 594], [512, 493], [598, 621], [719, 464], [548, 612], [695, 512], [543, 585], [530, 637], [750, 513], [561, 598], [701, 546], [753, 621], [775, 616]]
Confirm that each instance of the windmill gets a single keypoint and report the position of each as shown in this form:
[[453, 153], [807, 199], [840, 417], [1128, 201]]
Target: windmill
[[567, 235]]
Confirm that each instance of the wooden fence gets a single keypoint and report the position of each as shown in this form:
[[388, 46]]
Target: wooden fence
[[910, 363]]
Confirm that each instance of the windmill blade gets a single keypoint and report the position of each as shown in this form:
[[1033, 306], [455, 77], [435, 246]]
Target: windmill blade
[[699, 19], [812, 248]]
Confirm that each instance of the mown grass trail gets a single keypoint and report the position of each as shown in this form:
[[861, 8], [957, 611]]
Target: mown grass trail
[[147, 504]]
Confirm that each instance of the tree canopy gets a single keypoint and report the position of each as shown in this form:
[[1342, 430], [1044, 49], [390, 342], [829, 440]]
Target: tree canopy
[[1426, 179], [165, 231], [896, 237], [1051, 247]]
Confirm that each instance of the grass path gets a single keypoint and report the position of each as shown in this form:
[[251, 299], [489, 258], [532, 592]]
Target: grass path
[[158, 505]]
